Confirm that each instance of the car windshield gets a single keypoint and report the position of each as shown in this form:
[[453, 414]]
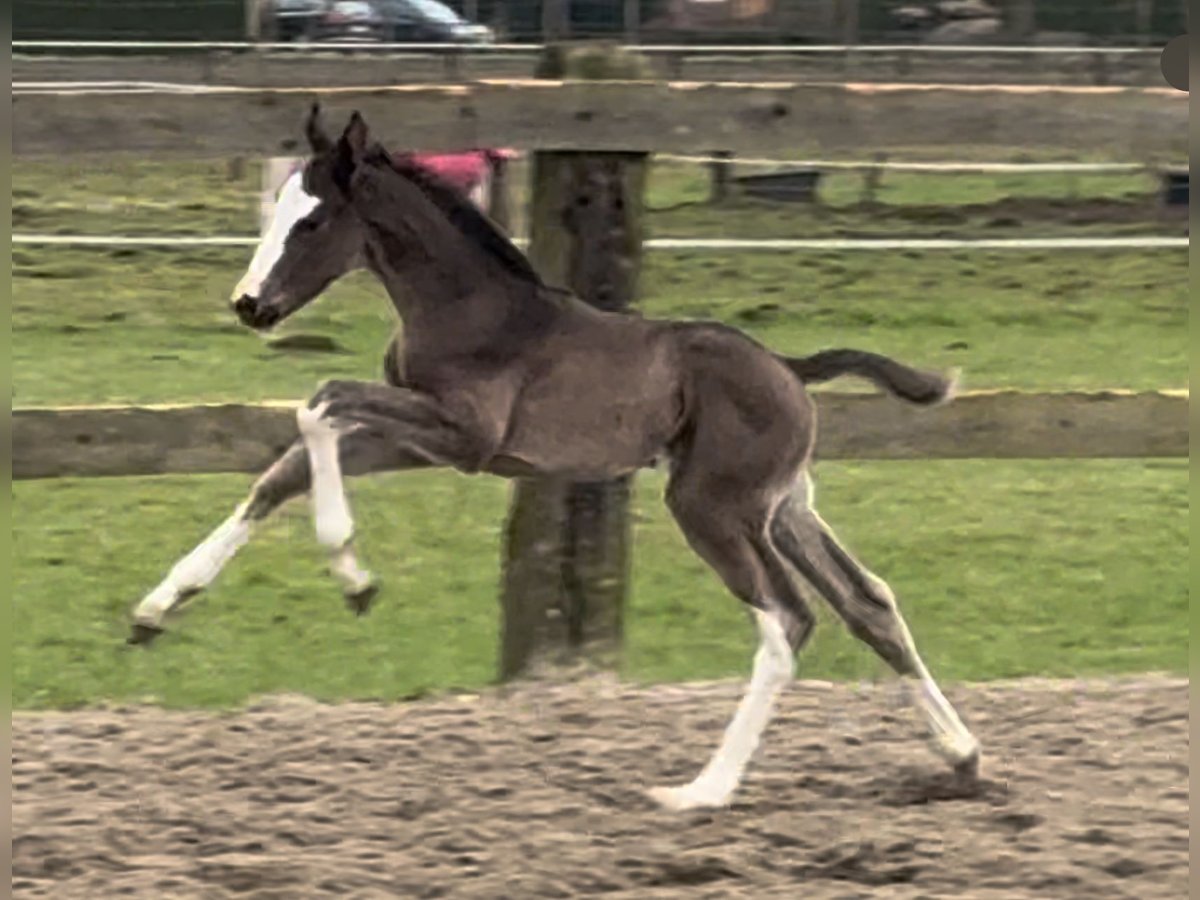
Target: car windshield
[[438, 12]]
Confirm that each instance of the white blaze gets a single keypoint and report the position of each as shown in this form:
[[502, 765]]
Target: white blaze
[[293, 205]]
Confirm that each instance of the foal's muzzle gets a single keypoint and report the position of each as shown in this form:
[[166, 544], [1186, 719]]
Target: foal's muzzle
[[255, 314]]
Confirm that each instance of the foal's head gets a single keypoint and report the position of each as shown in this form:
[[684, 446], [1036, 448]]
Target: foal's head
[[352, 205], [315, 236]]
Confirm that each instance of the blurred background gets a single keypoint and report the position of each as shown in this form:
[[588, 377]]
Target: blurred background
[[1058, 22]]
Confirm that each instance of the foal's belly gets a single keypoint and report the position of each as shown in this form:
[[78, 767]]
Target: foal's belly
[[594, 416]]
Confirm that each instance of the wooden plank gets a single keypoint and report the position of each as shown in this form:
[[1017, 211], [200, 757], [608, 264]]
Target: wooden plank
[[910, 63], [786, 118], [155, 440]]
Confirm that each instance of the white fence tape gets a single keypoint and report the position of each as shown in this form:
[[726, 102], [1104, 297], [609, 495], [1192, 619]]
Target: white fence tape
[[1131, 242]]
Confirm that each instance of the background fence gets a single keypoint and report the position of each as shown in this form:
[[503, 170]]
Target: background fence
[[596, 126], [1099, 22]]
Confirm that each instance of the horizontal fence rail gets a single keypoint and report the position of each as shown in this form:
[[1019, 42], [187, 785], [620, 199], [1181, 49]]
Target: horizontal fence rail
[[543, 86], [764, 118], [533, 48], [1152, 242], [212, 438], [382, 64], [950, 167]]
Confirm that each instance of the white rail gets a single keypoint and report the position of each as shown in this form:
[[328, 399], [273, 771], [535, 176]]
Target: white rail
[[112, 88], [1130, 242], [901, 166], [483, 49]]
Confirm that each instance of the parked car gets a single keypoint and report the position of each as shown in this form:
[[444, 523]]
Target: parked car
[[428, 21], [404, 21], [295, 20], [352, 20]]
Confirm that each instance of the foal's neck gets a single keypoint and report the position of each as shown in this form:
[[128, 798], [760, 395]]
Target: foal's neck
[[453, 292], [438, 276]]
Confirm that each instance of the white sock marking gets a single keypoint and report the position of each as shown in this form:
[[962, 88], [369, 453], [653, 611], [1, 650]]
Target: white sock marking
[[331, 510], [774, 666], [952, 739], [345, 567], [198, 569]]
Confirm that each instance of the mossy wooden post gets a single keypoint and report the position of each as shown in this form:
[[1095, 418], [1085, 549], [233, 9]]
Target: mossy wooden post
[[567, 545]]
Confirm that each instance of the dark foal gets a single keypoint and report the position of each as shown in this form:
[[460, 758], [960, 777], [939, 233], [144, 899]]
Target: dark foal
[[500, 373]]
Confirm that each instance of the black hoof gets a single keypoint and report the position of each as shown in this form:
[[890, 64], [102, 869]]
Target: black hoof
[[360, 601], [968, 769], [142, 633]]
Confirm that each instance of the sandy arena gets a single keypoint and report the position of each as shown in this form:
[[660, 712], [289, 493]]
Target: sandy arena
[[535, 792]]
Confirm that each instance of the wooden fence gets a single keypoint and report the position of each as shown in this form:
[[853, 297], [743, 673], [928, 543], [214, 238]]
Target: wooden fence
[[199, 121], [560, 117], [177, 439], [266, 65]]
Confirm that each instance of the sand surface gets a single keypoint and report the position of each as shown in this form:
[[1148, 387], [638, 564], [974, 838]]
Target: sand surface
[[536, 792]]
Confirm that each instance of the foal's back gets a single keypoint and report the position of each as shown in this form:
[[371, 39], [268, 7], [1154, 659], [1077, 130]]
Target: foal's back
[[606, 393]]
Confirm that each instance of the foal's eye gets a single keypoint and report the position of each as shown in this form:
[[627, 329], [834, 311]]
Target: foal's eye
[[306, 225]]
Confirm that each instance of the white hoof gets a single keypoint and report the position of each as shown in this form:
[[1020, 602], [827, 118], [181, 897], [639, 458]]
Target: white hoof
[[680, 799], [960, 750], [966, 765]]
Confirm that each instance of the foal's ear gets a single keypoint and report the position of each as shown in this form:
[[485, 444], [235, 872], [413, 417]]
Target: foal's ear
[[354, 138], [318, 140], [351, 147]]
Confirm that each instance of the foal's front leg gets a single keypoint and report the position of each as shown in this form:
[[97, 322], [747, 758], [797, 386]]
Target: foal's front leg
[[331, 508], [344, 408], [413, 435]]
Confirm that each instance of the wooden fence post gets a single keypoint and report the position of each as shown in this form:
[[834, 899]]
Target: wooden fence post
[[1143, 13], [721, 172], [253, 11], [567, 545], [499, 200], [500, 19], [253, 14], [1022, 19], [850, 35], [556, 19], [632, 16]]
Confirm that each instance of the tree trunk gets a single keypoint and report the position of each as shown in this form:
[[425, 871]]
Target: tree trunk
[[567, 545]]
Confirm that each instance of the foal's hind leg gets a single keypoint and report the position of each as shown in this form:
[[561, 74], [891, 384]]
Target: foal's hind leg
[[738, 549], [868, 607]]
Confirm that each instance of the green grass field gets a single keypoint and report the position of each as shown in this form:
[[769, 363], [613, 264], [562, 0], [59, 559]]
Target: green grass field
[[131, 325], [1004, 568], [206, 198]]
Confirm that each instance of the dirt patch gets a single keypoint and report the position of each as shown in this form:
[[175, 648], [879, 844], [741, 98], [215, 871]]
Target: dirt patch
[[535, 792]]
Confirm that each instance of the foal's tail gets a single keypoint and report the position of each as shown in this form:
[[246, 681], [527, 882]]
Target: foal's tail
[[907, 383]]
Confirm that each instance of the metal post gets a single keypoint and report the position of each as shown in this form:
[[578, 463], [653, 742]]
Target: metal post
[[633, 23], [555, 20]]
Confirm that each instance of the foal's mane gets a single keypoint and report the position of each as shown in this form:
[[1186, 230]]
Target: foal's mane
[[461, 213]]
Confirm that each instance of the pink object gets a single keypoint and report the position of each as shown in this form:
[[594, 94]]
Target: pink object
[[465, 171]]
